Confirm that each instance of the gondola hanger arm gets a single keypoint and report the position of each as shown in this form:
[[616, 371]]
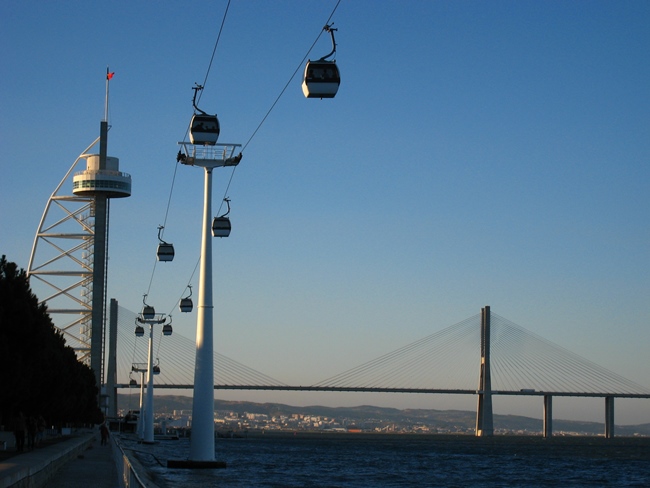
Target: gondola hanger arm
[[227, 200], [197, 88], [329, 29]]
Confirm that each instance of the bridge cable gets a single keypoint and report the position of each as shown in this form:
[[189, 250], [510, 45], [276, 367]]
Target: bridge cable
[[180, 348]]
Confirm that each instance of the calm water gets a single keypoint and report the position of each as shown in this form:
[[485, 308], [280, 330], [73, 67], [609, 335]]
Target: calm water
[[397, 461]]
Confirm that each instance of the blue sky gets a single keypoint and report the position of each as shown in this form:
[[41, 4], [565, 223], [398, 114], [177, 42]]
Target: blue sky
[[477, 153]]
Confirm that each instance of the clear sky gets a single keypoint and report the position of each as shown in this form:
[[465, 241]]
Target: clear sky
[[477, 153]]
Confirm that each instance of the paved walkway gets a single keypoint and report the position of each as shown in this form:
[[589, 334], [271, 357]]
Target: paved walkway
[[79, 461], [95, 468]]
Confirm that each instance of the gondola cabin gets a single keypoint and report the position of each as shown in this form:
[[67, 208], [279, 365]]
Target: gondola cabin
[[165, 252], [186, 305], [167, 329], [204, 129], [156, 370], [321, 80], [221, 227], [132, 382], [148, 312], [139, 331]]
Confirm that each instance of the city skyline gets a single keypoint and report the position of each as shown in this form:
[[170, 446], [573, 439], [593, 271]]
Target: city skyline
[[475, 154]]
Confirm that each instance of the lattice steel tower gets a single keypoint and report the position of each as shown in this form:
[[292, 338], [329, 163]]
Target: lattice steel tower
[[70, 265]]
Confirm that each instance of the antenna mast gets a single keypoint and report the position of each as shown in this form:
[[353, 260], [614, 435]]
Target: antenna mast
[[109, 75]]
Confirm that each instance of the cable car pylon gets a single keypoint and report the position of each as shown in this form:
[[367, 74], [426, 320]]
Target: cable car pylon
[[149, 317], [203, 153]]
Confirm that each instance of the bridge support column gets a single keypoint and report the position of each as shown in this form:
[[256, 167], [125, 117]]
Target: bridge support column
[[484, 422], [548, 416], [609, 417]]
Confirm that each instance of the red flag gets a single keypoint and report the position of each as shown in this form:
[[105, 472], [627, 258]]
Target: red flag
[[109, 75]]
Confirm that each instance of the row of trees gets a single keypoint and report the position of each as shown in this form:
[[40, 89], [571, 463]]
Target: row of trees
[[39, 373]]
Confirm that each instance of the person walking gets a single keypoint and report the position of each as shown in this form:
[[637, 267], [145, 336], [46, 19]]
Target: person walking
[[19, 431], [104, 432], [31, 432], [40, 432]]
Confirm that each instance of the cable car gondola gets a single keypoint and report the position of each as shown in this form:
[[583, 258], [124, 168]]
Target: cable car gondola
[[221, 225], [165, 249], [156, 369], [165, 252], [322, 78], [139, 331], [204, 128], [148, 312], [167, 329], [186, 304]]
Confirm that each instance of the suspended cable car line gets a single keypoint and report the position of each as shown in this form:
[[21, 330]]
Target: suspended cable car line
[[207, 73], [189, 285], [298, 68], [293, 75], [169, 200], [171, 190], [214, 51], [196, 99], [284, 89]]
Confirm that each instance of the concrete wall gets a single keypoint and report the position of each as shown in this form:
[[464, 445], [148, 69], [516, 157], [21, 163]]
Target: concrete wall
[[33, 469], [129, 471]]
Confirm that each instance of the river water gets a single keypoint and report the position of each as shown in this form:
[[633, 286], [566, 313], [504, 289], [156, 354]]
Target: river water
[[347, 460]]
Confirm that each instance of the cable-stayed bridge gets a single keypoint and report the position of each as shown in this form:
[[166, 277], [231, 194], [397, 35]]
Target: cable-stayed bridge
[[447, 361]]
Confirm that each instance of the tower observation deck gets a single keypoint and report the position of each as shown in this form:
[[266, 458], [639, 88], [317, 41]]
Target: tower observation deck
[[109, 181]]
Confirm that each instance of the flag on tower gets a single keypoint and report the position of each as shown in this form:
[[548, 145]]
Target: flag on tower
[[109, 75]]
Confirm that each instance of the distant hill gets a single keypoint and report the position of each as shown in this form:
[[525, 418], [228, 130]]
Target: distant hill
[[369, 415]]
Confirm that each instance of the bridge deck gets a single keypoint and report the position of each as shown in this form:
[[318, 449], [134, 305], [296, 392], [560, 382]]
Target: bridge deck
[[398, 390]]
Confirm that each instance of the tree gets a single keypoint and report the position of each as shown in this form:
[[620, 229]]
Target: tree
[[39, 373]]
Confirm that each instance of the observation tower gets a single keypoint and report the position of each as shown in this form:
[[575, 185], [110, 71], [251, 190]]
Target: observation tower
[[67, 266]]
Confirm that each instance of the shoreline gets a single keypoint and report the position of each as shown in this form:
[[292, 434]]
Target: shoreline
[[305, 434]]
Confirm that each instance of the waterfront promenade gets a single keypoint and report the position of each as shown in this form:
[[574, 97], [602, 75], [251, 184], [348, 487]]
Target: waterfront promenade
[[71, 462]]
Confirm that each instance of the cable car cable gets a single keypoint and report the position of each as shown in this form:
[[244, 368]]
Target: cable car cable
[[214, 50], [293, 75], [171, 190], [298, 68], [189, 283], [300, 65], [223, 21]]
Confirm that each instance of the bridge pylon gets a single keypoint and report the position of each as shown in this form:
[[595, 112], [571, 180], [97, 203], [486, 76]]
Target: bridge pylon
[[484, 421]]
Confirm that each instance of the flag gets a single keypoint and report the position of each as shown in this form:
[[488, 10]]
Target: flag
[[109, 75]]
